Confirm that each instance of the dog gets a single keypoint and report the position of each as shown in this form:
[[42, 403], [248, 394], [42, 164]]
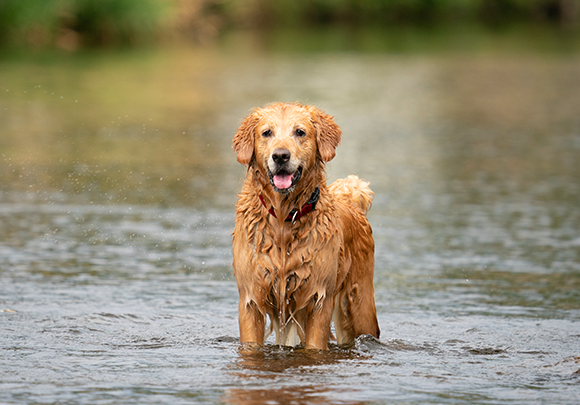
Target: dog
[[303, 251]]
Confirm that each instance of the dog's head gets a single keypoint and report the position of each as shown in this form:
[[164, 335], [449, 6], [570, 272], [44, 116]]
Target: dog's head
[[286, 141]]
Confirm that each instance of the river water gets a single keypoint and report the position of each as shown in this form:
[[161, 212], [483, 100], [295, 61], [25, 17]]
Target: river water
[[117, 185]]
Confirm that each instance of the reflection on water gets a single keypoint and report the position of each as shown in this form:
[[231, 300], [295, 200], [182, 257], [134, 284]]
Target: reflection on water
[[265, 366], [117, 183]]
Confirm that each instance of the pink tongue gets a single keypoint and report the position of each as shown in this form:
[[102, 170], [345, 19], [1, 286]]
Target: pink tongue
[[283, 181]]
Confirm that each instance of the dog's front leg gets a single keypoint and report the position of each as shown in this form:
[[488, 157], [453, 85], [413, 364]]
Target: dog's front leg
[[252, 323], [318, 326]]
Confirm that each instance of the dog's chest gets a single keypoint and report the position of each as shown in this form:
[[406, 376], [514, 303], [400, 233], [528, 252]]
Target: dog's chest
[[295, 252], [281, 250]]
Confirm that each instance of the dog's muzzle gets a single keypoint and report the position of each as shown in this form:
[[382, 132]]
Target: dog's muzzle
[[282, 177]]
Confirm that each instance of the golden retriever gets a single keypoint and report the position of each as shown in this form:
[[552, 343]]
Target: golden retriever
[[303, 251]]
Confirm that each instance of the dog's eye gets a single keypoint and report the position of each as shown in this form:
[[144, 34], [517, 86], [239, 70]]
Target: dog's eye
[[300, 132], [266, 133]]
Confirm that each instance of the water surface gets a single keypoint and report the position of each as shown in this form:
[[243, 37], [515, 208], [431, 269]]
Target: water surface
[[117, 185]]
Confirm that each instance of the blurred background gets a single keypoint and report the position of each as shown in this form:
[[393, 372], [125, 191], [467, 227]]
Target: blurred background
[[74, 24], [117, 186], [154, 88], [70, 24]]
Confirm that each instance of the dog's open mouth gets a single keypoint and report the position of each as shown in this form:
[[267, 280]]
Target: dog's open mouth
[[283, 181]]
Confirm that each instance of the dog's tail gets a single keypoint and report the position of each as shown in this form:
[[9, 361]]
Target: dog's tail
[[353, 190]]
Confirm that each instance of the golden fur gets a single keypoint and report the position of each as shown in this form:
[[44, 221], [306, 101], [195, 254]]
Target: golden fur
[[302, 274]]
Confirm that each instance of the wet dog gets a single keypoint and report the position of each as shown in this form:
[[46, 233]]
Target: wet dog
[[303, 251]]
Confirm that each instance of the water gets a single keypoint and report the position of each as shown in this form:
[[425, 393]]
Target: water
[[117, 185]]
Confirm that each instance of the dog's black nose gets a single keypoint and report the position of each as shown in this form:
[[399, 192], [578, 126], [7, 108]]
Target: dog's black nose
[[281, 156]]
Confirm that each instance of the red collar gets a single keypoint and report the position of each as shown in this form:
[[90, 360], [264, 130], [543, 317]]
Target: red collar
[[296, 214]]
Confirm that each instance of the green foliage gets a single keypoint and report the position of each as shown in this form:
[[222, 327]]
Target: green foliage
[[22, 19], [109, 21], [43, 22], [72, 23], [416, 11]]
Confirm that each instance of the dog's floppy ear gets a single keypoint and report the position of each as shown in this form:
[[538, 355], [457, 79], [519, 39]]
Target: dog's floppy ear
[[327, 133], [243, 141]]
